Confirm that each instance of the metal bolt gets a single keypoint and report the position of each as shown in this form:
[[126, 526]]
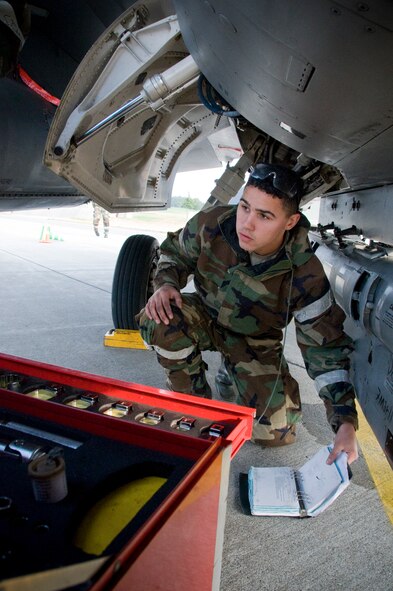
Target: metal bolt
[[362, 7]]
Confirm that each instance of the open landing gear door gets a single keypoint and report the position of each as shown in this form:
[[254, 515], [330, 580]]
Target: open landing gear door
[[131, 113]]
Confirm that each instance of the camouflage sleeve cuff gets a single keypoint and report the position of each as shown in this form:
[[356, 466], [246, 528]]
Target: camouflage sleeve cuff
[[170, 275], [337, 414], [339, 400], [159, 281]]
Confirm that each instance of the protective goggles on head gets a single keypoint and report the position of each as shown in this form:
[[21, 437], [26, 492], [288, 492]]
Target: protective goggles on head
[[283, 179]]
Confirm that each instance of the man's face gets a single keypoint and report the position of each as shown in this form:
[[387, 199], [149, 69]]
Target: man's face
[[261, 221]]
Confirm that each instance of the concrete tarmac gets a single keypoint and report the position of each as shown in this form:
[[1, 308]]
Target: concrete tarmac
[[56, 308]]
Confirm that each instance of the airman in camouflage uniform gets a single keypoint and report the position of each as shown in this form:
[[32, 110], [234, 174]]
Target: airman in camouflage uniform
[[253, 272], [98, 213]]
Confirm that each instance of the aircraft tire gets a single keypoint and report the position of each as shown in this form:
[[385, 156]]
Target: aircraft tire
[[132, 279]]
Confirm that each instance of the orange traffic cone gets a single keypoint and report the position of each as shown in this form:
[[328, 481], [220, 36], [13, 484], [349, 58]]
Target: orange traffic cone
[[45, 235]]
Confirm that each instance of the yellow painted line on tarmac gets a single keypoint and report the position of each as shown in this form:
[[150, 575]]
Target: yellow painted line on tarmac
[[378, 465]]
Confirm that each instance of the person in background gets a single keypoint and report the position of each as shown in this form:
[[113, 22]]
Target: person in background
[[254, 270], [98, 213]]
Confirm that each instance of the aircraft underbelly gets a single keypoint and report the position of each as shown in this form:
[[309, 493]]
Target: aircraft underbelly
[[313, 75], [24, 130]]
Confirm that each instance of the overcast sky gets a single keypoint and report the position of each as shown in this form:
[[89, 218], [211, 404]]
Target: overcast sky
[[197, 184]]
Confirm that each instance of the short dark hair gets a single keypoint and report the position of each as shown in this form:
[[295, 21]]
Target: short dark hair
[[278, 181]]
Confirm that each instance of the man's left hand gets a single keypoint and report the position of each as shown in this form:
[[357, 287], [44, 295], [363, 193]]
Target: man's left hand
[[345, 440]]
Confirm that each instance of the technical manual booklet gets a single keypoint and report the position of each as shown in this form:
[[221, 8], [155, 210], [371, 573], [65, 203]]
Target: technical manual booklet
[[298, 493]]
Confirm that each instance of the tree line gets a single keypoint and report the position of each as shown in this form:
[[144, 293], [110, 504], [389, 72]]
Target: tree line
[[187, 202]]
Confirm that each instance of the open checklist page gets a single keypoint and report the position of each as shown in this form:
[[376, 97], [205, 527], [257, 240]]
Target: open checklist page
[[304, 492], [272, 491]]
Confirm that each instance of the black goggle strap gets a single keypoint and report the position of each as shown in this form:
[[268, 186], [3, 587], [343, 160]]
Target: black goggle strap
[[283, 180]]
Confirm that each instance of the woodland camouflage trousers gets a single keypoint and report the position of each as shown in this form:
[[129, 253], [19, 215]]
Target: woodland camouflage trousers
[[97, 214], [261, 380]]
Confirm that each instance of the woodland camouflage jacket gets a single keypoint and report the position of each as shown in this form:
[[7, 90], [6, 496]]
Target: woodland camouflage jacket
[[258, 301]]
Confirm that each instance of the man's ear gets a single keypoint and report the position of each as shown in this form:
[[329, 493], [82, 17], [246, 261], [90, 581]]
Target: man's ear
[[292, 221]]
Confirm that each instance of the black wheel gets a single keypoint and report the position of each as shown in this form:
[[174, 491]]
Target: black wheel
[[132, 281]]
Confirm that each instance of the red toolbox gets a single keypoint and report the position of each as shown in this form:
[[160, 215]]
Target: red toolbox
[[111, 485]]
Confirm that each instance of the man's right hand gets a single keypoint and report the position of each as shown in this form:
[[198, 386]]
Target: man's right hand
[[158, 307]]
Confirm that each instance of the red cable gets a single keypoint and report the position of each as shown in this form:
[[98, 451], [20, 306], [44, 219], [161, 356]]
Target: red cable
[[36, 87]]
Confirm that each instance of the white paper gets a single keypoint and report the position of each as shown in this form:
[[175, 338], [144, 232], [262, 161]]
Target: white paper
[[273, 491], [308, 491], [322, 483]]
